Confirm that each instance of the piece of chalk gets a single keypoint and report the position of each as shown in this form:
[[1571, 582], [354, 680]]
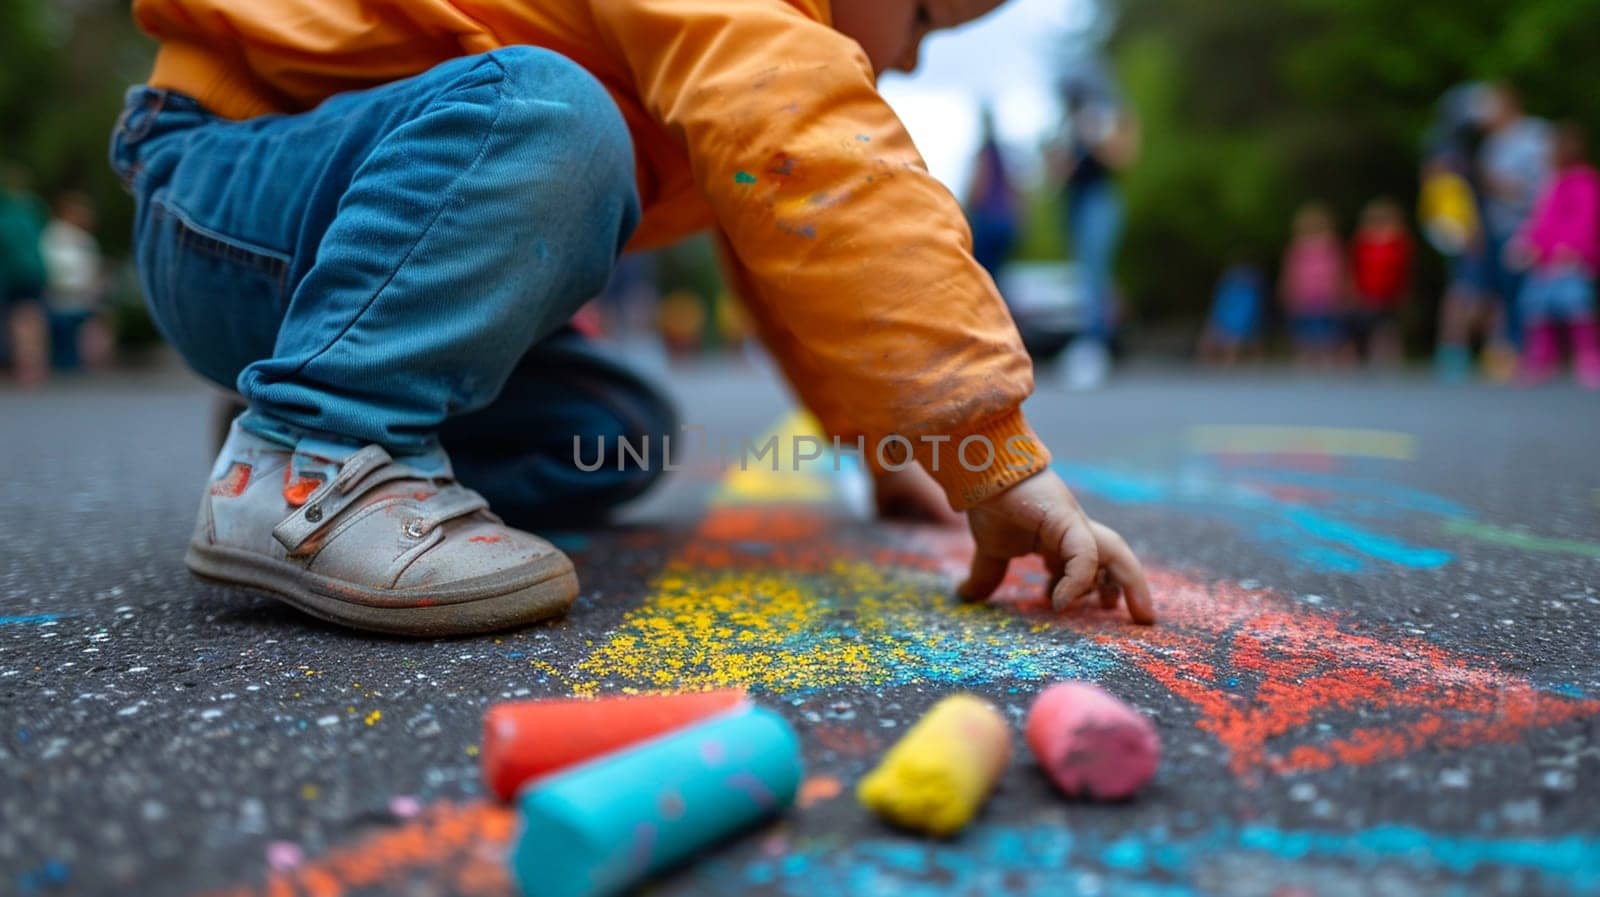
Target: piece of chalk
[[938, 775], [524, 740], [1090, 743], [602, 827]]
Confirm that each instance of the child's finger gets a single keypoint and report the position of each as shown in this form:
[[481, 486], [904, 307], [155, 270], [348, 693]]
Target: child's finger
[[1126, 572], [1075, 547], [988, 571]]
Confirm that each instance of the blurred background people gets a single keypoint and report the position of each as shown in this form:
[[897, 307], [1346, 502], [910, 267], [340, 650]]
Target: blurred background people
[[1380, 271], [1311, 286], [1233, 329], [1514, 162], [1559, 247], [22, 277], [75, 286], [994, 206]]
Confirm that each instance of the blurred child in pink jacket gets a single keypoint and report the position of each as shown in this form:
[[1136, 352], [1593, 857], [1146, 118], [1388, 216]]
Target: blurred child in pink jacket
[[1312, 285], [1561, 247]]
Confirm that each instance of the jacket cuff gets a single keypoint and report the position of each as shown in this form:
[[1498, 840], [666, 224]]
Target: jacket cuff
[[985, 461]]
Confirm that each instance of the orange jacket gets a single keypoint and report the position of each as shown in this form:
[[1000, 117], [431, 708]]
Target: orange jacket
[[753, 116]]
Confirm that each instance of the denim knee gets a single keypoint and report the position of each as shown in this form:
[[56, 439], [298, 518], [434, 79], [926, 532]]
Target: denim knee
[[574, 125]]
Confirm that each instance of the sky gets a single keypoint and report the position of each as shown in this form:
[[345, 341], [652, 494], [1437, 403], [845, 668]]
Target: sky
[[1007, 59]]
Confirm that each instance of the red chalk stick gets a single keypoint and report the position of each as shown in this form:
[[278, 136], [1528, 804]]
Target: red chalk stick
[[1090, 743], [526, 740]]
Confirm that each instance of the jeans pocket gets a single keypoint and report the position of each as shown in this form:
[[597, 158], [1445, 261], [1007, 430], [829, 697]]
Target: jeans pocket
[[219, 301]]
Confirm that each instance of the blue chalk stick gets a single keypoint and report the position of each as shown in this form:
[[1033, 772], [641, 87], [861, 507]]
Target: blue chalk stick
[[603, 827]]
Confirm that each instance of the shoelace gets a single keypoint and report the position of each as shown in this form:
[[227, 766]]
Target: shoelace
[[364, 471]]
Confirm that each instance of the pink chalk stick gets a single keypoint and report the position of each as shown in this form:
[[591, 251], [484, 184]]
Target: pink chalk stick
[[1090, 743]]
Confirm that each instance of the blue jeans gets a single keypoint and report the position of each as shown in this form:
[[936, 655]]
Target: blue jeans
[[1507, 283], [1558, 295], [1094, 225], [396, 266]]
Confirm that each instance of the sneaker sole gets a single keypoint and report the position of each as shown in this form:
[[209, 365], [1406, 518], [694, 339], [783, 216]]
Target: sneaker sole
[[490, 604]]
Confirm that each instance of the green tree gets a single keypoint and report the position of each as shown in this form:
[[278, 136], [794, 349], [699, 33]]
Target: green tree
[[66, 66]]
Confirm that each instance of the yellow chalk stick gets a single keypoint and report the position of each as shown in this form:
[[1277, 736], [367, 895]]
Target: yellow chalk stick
[[936, 778]]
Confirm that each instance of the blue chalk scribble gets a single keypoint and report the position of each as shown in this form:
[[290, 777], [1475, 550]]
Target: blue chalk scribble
[[1045, 860]]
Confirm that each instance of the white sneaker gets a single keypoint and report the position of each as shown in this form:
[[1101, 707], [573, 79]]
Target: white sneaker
[[364, 540], [1088, 364]]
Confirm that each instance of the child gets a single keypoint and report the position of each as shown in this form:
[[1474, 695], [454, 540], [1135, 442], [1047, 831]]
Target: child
[[22, 279], [1311, 285], [1234, 326], [374, 217], [1561, 245], [1448, 209], [993, 206], [75, 286], [1380, 267]]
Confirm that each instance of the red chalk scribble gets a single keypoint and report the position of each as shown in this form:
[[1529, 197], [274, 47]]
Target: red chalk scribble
[[762, 524], [819, 789], [1311, 462], [486, 540], [1264, 672], [1296, 495], [462, 846]]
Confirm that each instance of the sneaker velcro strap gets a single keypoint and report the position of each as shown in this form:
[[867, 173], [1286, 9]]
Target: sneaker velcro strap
[[452, 501], [361, 473]]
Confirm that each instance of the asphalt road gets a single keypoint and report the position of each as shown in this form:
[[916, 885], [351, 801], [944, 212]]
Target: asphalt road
[[1378, 669]]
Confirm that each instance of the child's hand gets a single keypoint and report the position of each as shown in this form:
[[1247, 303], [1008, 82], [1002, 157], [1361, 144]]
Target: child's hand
[[911, 494], [1040, 515]]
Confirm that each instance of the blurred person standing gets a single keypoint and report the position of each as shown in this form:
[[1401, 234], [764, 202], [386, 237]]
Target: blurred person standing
[[994, 210], [22, 277], [1102, 140], [1311, 286], [1450, 210], [1560, 249], [1233, 329], [1514, 164], [1380, 269], [75, 286]]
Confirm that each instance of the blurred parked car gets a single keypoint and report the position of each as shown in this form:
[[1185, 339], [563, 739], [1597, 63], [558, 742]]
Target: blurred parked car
[[1049, 304]]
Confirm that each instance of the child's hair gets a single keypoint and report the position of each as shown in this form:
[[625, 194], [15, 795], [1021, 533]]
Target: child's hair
[[1571, 145], [1313, 219], [75, 206], [1383, 212]]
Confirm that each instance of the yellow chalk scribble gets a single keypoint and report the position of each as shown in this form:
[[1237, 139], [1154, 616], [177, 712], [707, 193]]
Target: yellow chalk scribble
[[1385, 444], [852, 625]]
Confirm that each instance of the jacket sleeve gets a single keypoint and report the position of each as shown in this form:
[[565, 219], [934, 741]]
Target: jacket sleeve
[[851, 249]]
